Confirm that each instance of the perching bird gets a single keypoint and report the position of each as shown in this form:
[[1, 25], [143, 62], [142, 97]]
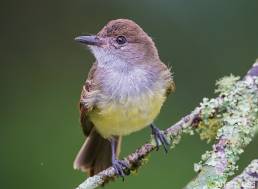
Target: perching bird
[[124, 92]]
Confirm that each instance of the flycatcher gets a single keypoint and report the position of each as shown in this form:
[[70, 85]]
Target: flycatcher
[[124, 92]]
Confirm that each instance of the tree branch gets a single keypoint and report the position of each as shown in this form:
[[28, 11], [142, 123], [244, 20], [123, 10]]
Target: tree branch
[[248, 179], [207, 110], [239, 124]]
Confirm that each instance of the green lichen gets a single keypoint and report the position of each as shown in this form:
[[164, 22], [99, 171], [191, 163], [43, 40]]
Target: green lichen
[[247, 179], [235, 114], [175, 140], [208, 129], [225, 84], [256, 81], [209, 108]]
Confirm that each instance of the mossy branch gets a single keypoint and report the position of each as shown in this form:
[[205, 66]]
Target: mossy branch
[[247, 179], [231, 117], [238, 119]]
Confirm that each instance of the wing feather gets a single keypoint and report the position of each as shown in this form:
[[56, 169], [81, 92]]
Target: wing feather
[[85, 108]]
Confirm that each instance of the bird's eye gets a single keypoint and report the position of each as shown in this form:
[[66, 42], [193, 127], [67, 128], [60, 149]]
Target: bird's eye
[[121, 40]]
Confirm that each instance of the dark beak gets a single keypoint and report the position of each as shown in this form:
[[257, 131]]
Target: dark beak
[[90, 40]]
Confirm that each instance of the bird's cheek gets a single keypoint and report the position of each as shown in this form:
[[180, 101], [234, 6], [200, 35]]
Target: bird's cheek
[[105, 46]]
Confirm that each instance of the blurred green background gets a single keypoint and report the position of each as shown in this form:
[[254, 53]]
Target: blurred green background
[[43, 69]]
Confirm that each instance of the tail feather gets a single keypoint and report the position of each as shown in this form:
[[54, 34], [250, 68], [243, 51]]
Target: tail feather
[[95, 154]]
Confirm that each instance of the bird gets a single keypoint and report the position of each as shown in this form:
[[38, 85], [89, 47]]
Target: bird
[[123, 93]]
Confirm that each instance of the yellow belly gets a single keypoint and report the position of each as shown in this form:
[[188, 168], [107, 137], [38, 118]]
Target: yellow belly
[[122, 118]]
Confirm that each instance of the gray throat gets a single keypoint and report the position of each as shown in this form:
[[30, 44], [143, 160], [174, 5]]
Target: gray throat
[[121, 80]]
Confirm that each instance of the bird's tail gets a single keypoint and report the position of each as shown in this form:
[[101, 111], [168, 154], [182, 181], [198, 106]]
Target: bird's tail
[[95, 154]]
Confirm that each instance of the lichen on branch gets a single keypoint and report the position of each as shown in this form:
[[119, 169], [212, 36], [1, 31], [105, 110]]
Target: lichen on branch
[[248, 179], [238, 114]]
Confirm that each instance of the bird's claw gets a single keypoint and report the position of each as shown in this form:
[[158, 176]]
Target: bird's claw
[[119, 166], [160, 138]]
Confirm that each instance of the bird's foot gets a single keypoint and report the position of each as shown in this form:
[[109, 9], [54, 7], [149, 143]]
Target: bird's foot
[[120, 166], [160, 138]]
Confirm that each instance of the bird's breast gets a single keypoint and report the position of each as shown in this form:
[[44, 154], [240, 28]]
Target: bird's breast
[[121, 118], [127, 103]]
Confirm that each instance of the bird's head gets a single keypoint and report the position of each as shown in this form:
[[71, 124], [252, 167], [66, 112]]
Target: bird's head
[[121, 40]]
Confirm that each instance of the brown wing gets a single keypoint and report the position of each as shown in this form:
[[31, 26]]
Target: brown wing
[[86, 124]]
